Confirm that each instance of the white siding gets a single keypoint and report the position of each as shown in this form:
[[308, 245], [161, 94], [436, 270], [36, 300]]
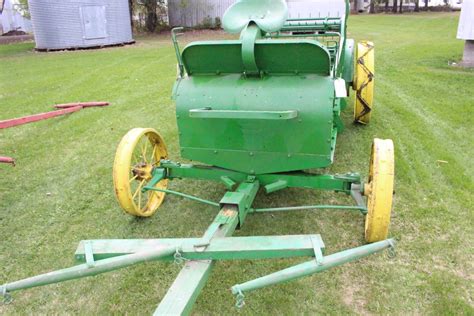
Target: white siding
[[192, 13], [466, 21], [11, 19]]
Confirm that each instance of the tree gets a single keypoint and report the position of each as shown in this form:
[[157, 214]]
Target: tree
[[372, 7], [131, 6], [151, 20], [426, 5], [417, 5], [356, 9], [386, 6], [22, 8], [395, 6], [401, 6]]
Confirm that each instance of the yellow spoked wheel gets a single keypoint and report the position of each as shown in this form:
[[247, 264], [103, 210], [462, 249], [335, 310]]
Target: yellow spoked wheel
[[139, 151], [364, 82], [379, 190]]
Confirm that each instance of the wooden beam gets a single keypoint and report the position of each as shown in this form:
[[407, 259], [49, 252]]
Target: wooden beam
[[37, 117]]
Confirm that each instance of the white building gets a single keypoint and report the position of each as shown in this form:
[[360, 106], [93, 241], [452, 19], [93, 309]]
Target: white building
[[466, 32], [410, 4], [11, 19]]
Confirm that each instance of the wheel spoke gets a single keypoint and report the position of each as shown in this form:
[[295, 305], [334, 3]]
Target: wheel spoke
[[144, 150], [140, 199], [131, 180], [152, 158], [138, 189]]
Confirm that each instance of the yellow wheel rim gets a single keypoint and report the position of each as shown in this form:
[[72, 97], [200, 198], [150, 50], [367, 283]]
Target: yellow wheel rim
[[364, 82], [379, 190], [139, 151]]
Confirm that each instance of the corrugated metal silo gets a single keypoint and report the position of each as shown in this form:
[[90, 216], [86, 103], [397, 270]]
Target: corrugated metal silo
[[67, 24]]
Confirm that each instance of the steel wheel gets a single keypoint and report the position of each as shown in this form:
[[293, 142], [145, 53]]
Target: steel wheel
[[364, 82], [139, 151], [379, 190]]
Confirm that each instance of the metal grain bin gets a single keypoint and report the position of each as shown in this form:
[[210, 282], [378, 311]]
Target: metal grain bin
[[69, 24]]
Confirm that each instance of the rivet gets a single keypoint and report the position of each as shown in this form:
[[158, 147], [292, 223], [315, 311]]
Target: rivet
[[289, 155], [251, 153], [215, 151]]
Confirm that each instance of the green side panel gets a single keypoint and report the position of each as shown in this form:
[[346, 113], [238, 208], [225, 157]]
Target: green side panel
[[273, 56], [349, 55], [292, 56], [257, 146]]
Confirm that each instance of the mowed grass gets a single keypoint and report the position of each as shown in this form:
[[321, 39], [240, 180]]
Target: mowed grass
[[61, 190]]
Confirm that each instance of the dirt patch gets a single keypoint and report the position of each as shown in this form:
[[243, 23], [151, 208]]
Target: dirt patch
[[14, 33], [15, 39]]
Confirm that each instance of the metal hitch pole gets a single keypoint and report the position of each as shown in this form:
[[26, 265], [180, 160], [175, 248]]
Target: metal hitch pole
[[90, 268], [313, 266]]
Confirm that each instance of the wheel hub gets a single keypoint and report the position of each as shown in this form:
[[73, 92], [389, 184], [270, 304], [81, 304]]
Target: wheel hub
[[142, 171]]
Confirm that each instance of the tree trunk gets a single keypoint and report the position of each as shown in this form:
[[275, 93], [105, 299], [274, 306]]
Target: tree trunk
[[372, 7], [401, 6], [151, 18], [417, 5], [386, 6], [395, 6], [426, 5], [356, 7], [130, 4]]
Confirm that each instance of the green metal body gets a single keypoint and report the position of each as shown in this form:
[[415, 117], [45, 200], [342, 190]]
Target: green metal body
[[265, 103], [257, 111]]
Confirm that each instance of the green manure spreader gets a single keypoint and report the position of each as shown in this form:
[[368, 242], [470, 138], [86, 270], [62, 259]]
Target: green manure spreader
[[256, 113]]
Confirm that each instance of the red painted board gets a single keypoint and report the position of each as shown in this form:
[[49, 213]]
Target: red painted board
[[37, 117], [83, 104], [7, 160]]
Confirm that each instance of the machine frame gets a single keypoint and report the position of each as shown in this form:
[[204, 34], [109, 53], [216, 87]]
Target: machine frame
[[142, 172]]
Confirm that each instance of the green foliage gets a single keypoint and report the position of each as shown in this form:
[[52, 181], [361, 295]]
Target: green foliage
[[23, 8], [150, 14], [206, 23], [217, 23], [61, 190]]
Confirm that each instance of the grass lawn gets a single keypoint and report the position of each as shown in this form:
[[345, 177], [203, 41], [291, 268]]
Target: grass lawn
[[61, 190]]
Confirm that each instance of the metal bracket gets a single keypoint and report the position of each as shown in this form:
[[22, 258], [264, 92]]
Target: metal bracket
[[89, 254], [240, 300], [7, 298], [318, 254]]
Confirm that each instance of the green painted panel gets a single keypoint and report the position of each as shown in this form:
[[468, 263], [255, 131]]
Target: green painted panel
[[273, 56], [252, 145], [348, 70], [292, 56], [211, 57]]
